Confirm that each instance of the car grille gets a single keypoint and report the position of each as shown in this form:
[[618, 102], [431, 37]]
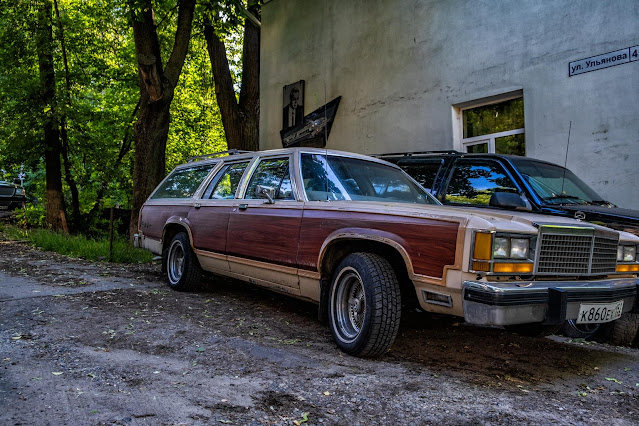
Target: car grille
[[6, 191], [574, 251]]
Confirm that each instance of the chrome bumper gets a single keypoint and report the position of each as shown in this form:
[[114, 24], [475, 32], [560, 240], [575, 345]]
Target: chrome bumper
[[548, 302]]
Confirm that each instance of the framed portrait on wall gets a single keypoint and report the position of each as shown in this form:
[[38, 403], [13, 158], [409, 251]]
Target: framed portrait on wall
[[293, 112]]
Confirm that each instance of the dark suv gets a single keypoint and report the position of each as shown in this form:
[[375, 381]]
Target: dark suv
[[512, 182], [11, 195]]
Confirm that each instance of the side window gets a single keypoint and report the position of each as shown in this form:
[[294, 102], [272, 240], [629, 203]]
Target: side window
[[182, 183], [225, 183], [474, 183], [423, 171], [272, 174]]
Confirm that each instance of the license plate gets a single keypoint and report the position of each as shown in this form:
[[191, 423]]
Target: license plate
[[595, 313]]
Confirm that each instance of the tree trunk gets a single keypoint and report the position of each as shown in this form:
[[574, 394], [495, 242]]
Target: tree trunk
[[52, 146], [240, 120], [156, 93], [68, 175]]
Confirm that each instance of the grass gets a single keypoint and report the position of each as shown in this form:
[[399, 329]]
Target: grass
[[77, 245]]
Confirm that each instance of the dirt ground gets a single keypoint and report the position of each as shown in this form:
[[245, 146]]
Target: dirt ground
[[102, 344]]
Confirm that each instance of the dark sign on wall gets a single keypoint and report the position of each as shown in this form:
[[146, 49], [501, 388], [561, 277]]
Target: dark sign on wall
[[314, 129], [610, 59], [293, 112]]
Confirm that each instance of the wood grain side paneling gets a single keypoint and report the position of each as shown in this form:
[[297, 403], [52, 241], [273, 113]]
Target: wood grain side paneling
[[209, 226], [266, 232], [430, 243], [153, 217]]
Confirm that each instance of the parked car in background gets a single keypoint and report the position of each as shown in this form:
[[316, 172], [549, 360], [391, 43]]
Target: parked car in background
[[512, 182], [515, 183], [12, 195], [360, 238]]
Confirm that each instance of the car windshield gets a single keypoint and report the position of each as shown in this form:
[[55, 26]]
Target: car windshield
[[344, 178], [556, 184]]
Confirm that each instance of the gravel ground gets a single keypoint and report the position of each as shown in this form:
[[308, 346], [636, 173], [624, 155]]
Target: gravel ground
[[97, 343]]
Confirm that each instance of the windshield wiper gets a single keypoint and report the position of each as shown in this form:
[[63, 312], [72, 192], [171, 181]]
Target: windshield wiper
[[564, 196]]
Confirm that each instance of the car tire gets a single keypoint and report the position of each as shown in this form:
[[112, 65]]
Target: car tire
[[183, 271], [571, 329], [622, 332], [533, 329], [364, 305]]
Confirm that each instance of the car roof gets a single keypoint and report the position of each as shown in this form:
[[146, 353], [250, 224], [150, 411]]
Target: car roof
[[274, 152], [439, 154]]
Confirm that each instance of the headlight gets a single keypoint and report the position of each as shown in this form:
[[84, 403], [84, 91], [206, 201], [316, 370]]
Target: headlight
[[627, 259], [511, 248], [626, 253], [499, 253], [19, 191]]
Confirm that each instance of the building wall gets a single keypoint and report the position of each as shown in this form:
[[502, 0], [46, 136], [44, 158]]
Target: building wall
[[402, 66]]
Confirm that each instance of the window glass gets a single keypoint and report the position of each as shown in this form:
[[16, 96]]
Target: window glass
[[225, 183], [423, 172], [478, 148], [556, 184], [475, 183], [183, 183], [343, 178], [494, 118], [513, 145], [272, 174]]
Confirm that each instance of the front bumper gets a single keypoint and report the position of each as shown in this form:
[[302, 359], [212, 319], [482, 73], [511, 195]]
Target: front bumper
[[548, 302]]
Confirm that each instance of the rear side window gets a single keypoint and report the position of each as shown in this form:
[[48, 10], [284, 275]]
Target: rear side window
[[474, 183], [182, 183], [422, 171]]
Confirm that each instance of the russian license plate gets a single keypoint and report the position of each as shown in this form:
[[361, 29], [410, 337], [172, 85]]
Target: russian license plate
[[590, 313]]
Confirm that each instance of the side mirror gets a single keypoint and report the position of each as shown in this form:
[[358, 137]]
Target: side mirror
[[509, 200], [265, 192]]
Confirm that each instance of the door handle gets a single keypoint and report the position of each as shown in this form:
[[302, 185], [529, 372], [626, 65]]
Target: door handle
[[197, 205], [243, 206]]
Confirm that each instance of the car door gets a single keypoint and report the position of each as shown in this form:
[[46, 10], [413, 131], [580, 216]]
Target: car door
[[263, 236], [473, 181], [209, 216]]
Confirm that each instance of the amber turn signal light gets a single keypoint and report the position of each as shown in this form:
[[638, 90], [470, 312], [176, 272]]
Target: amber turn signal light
[[518, 268], [627, 268], [483, 246]]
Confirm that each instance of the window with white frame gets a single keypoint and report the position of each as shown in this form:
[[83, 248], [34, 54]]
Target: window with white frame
[[494, 127]]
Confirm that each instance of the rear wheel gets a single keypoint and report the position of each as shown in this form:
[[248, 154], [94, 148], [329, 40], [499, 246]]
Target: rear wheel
[[183, 271], [364, 305]]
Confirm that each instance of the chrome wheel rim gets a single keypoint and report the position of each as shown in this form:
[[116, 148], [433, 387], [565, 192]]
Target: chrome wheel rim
[[175, 263], [350, 304]]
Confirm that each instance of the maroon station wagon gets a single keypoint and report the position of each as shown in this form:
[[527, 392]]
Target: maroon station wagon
[[362, 239]]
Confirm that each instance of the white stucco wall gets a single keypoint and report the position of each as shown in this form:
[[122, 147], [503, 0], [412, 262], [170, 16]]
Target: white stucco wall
[[401, 65]]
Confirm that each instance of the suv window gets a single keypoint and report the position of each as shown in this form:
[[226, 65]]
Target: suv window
[[225, 182], [273, 173], [423, 171], [183, 183], [474, 183]]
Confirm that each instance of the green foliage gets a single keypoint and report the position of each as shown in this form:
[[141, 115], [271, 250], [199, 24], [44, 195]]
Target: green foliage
[[78, 246], [99, 94]]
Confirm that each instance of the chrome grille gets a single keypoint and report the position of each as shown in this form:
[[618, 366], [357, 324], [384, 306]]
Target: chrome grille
[[576, 251], [604, 256]]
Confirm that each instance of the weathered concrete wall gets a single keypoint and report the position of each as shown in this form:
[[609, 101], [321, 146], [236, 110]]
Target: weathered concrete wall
[[400, 67]]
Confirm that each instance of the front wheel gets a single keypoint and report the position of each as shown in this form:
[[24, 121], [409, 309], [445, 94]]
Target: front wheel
[[183, 271], [364, 305], [622, 332]]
